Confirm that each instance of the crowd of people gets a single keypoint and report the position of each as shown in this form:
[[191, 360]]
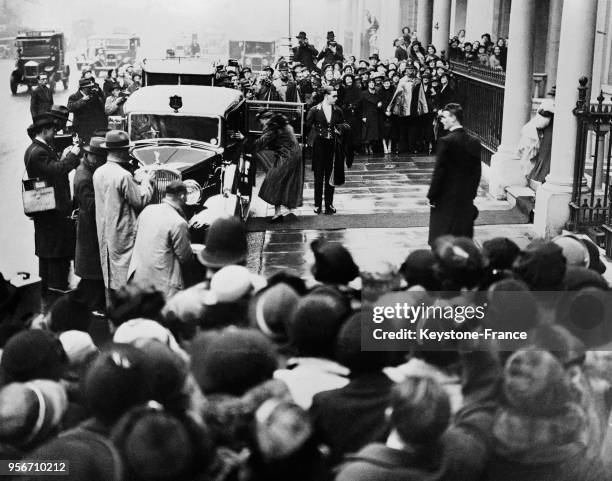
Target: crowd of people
[[483, 52], [245, 378], [390, 104], [139, 375]]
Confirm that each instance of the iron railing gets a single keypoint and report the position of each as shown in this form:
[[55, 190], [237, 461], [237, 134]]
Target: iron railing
[[480, 90], [590, 206]]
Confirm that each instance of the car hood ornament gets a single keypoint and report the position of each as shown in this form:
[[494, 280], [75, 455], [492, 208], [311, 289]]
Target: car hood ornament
[[176, 102]]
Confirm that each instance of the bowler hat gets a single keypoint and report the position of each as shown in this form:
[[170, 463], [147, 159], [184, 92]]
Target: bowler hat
[[116, 140], [226, 243], [301, 35], [94, 146], [42, 120], [374, 56], [86, 82], [330, 35], [283, 65], [59, 112]]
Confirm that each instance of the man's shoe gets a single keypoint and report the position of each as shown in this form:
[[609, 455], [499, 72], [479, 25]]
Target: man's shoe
[[330, 209], [318, 210]]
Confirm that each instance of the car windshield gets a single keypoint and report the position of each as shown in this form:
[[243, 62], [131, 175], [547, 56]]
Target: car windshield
[[154, 126], [34, 48]]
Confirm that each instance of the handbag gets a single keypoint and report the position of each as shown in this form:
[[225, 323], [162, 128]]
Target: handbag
[[37, 195]]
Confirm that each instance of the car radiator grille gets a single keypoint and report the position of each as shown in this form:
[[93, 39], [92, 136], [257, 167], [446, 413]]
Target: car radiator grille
[[31, 71], [162, 179]]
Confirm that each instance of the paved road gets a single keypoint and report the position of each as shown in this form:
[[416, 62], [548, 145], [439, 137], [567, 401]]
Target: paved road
[[16, 231]]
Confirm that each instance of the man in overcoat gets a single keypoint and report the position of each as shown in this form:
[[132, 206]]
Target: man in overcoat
[[42, 97], [455, 179], [87, 257], [331, 147], [87, 105], [163, 248], [54, 236], [118, 199], [332, 52]]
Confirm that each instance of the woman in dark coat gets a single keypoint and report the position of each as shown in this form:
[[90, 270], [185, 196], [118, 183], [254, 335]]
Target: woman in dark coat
[[349, 97], [280, 154], [389, 132], [371, 105]]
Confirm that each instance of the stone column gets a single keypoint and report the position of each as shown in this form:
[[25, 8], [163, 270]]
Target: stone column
[[505, 164], [441, 24], [552, 42], [424, 18], [576, 47]]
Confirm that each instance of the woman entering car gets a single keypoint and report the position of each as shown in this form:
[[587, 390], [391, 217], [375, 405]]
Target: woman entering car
[[280, 155]]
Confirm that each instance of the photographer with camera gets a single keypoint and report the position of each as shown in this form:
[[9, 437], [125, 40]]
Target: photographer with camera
[[114, 102], [87, 106], [332, 52], [305, 53], [265, 88]]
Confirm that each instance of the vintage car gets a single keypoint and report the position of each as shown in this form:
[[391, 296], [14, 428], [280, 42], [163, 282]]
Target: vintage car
[[177, 71], [105, 52], [193, 133], [39, 52]]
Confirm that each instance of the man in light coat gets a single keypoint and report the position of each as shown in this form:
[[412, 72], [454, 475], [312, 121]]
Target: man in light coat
[[162, 245], [118, 200]]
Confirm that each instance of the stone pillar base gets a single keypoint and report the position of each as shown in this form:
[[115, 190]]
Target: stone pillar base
[[551, 209], [505, 170]]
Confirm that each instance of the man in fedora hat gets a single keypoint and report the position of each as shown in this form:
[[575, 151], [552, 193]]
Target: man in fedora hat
[[42, 97], [332, 52], [118, 200], [87, 256], [87, 105], [162, 248], [305, 53], [226, 245], [53, 230]]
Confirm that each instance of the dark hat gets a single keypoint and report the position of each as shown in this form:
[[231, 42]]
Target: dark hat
[[264, 114], [169, 372], [500, 252], [283, 65], [116, 140], [43, 120], [327, 66], [374, 56], [330, 35], [118, 379], [316, 322], [333, 263], [426, 75], [232, 361], [226, 243], [301, 35], [541, 265], [157, 445], [86, 82], [349, 352], [95, 146], [418, 269], [268, 68], [365, 61], [246, 69], [459, 263], [176, 187], [59, 112], [33, 354], [578, 277], [70, 312]]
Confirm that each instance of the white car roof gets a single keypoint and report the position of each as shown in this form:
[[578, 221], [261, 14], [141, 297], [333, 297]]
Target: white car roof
[[181, 66], [197, 99]]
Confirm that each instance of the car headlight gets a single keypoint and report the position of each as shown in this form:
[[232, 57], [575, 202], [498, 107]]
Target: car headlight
[[53, 58], [194, 192]]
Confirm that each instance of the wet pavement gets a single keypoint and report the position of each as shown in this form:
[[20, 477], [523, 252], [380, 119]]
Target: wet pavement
[[379, 187]]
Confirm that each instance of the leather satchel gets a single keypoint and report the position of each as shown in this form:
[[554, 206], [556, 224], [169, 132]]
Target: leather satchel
[[37, 196]]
